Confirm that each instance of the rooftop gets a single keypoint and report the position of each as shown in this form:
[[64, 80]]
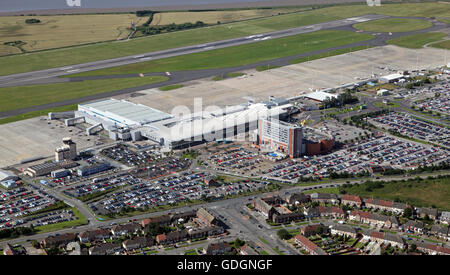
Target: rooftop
[[130, 113]]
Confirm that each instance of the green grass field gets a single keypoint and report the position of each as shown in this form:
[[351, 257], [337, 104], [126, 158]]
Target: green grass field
[[416, 41], [266, 68], [242, 54], [393, 25], [81, 220], [12, 98], [442, 45], [386, 106], [171, 87], [100, 51], [418, 193]]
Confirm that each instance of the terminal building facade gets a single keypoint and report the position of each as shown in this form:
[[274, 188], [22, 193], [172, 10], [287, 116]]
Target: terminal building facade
[[276, 135]]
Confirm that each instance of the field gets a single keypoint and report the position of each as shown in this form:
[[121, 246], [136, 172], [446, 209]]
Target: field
[[75, 55], [12, 98], [416, 41], [212, 17], [63, 30], [242, 54], [171, 87], [394, 25], [442, 45], [418, 193]]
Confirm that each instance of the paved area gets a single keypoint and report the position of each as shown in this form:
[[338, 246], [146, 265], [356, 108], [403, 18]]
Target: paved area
[[292, 80]]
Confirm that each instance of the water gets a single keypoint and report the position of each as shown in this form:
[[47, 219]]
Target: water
[[26, 5]]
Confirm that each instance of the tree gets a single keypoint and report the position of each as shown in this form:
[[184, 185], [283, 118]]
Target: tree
[[284, 234], [34, 243], [319, 230], [238, 243], [407, 213]]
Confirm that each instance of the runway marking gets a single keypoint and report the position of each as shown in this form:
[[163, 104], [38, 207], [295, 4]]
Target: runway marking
[[72, 71]]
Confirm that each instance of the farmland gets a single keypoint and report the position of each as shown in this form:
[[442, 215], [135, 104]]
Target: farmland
[[212, 17], [100, 51], [63, 30]]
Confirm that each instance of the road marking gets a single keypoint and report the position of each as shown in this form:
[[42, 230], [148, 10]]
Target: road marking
[[209, 48], [72, 71], [146, 58], [66, 68]]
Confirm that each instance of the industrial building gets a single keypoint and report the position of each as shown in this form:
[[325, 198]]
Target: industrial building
[[391, 78], [128, 121], [7, 175], [93, 169], [319, 96], [59, 173], [382, 92], [66, 152], [48, 167]]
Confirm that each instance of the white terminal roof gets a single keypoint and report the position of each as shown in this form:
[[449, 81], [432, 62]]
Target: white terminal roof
[[392, 76], [197, 124], [125, 112], [320, 96]]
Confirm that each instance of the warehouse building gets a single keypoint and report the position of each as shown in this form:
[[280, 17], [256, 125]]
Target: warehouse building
[[391, 78], [93, 169], [121, 113], [319, 96], [7, 175]]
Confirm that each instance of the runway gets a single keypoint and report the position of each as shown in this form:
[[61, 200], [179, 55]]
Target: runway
[[53, 75]]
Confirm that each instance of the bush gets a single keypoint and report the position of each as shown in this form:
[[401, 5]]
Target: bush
[[284, 234], [32, 21]]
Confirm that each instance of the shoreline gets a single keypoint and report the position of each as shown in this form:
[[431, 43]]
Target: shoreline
[[240, 5]]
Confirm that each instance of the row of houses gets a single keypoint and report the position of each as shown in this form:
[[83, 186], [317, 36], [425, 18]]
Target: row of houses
[[265, 205], [208, 226]]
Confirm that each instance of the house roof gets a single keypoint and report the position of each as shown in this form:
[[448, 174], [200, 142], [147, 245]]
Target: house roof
[[144, 241], [205, 214], [427, 211], [351, 198], [102, 248], [415, 224], [344, 228], [125, 227], [379, 202]]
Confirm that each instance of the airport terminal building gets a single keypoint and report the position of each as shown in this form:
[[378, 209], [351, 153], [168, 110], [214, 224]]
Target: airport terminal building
[[128, 121]]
